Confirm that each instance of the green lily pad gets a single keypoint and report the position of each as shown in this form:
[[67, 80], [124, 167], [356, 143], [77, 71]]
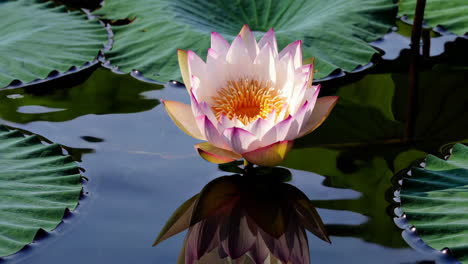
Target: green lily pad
[[39, 38], [37, 184], [435, 201], [336, 33], [451, 15]]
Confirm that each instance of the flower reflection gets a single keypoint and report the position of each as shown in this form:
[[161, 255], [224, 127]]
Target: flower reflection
[[245, 219]]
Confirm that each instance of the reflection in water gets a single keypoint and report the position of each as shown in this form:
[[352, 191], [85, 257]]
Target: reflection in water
[[255, 218], [102, 93]]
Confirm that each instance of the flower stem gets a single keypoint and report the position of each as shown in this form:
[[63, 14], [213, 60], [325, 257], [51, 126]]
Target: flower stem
[[248, 167], [413, 70]]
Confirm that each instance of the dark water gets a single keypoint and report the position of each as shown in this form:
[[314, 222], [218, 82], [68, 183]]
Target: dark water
[[141, 167]]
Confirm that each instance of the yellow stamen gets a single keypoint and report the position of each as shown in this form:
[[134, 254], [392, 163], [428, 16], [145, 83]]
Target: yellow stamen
[[247, 100]]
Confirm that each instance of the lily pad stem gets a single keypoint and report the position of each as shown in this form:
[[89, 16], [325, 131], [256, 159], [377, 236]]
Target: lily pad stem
[[413, 70]]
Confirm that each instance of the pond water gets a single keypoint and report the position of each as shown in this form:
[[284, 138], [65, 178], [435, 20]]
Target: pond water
[[141, 167]]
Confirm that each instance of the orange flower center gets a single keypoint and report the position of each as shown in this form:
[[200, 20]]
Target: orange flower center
[[247, 100]]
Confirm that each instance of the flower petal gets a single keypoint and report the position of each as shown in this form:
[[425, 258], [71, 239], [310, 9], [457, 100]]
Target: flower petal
[[311, 74], [286, 75], [297, 122], [196, 65], [183, 65], [260, 126], [219, 44], [214, 154], [278, 132], [270, 38], [182, 115], [250, 41], [270, 155], [295, 49], [322, 109], [241, 140], [238, 53], [266, 69], [211, 133]]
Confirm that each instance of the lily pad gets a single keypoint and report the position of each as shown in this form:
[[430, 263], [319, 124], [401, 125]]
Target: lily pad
[[435, 201], [41, 38], [37, 184], [336, 33], [451, 15]]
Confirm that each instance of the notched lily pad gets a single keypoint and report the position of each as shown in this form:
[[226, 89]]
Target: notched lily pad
[[336, 33], [37, 184], [41, 40], [435, 201]]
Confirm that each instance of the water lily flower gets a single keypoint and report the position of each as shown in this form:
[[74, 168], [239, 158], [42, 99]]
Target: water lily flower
[[238, 219], [248, 100]]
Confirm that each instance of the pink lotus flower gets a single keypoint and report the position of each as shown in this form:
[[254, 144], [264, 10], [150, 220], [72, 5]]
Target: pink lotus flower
[[248, 100]]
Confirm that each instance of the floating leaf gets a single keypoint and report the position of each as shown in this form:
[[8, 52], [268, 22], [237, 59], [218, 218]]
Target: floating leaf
[[103, 93], [451, 15], [336, 33], [37, 184], [38, 38], [435, 201]]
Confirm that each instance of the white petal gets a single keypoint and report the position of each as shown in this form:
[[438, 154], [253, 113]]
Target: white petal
[[295, 49], [219, 44], [241, 140], [283, 113], [250, 41], [237, 53], [212, 58], [266, 64], [196, 65], [269, 38], [260, 126], [298, 121], [300, 85], [195, 104], [212, 134], [310, 96], [226, 122], [208, 112], [321, 110], [285, 82], [282, 128]]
